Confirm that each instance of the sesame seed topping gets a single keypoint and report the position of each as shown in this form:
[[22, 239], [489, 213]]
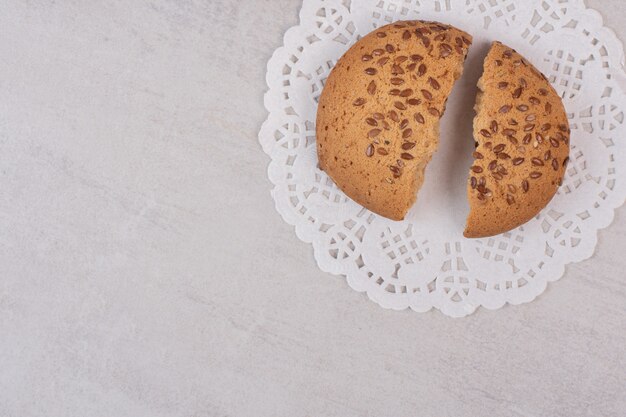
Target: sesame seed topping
[[371, 88], [510, 199], [399, 105]]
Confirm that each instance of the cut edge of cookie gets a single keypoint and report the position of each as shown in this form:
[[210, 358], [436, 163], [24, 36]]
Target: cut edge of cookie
[[469, 231], [435, 133]]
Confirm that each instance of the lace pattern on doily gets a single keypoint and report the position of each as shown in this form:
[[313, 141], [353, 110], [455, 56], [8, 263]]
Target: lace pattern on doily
[[397, 263]]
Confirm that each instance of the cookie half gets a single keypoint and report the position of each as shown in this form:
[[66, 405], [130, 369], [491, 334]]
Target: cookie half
[[378, 115], [522, 135]]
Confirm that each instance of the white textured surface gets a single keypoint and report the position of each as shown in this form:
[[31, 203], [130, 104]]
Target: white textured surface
[[146, 273]]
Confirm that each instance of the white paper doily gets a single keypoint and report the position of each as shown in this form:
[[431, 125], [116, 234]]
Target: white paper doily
[[424, 261]]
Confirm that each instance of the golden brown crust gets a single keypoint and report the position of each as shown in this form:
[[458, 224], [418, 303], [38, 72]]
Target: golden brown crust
[[378, 116], [523, 145]]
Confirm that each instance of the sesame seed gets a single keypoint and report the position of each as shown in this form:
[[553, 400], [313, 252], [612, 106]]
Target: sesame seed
[[396, 70], [499, 148], [433, 83], [554, 142], [510, 199], [399, 105], [371, 88]]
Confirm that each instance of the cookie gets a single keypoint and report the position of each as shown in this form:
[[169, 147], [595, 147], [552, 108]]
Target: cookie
[[378, 115], [522, 144]]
